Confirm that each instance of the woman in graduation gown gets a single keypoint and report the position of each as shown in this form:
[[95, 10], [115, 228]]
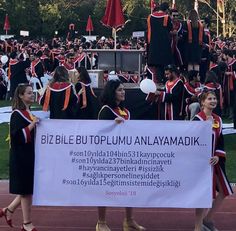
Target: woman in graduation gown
[[221, 185], [88, 105], [60, 96], [113, 109], [194, 39], [22, 125]]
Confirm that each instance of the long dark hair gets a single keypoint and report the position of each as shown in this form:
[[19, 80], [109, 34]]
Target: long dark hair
[[17, 102], [108, 96], [83, 75], [60, 75], [193, 16], [211, 77]]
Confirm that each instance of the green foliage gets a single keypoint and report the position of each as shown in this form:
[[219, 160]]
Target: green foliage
[[230, 147], [43, 17], [24, 15]]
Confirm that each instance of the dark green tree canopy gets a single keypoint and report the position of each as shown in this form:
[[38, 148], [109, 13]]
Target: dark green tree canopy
[[43, 17]]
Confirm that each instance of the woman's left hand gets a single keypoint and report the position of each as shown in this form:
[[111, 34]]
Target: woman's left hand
[[214, 160], [119, 120]]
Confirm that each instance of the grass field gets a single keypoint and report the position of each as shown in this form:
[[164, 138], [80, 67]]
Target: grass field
[[230, 146]]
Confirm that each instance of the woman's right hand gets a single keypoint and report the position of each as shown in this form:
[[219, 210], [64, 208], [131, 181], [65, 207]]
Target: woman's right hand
[[33, 123], [214, 160], [35, 120]]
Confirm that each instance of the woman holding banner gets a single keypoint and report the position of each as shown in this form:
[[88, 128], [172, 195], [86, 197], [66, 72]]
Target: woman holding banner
[[113, 109], [220, 182], [22, 125]]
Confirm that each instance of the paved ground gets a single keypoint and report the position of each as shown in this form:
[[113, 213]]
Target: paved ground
[[84, 218]]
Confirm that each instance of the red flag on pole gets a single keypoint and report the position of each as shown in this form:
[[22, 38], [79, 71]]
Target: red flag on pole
[[89, 26], [6, 24], [113, 17]]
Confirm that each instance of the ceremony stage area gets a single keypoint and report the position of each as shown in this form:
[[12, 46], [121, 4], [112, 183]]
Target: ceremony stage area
[[84, 218]]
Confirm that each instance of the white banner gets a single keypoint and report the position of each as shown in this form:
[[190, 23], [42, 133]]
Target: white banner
[[24, 33], [132, 164]]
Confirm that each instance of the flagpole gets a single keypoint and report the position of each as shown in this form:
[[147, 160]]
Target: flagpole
[[196, 5], [173, 4], [115, 48], [217, 18], [115, 39], [223, 20]]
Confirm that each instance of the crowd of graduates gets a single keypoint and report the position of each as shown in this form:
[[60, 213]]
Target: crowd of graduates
[[199, 60]]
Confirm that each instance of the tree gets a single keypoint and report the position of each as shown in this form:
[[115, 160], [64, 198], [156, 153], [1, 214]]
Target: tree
[[25, 13], [43, 17], [136, 12]]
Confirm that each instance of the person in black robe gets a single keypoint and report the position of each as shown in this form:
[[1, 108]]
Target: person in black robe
[[37, 67], [113, 108], [193, 41], [46, 61], [22, 124], [205, 59], [159, 52], [220, 182], [71, 33], [88, 105], [177, 39], [228, 82], [3, 88], [60, 96], [81, 58], [172, 96], [192, 90], [17, 72]]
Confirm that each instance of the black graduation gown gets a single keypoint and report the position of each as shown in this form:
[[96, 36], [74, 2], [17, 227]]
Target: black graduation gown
[[189, 92], [18, 75], [205, 60], [21, 154], [88, 103], [217, 150], [159, 39], [193, 50], [37, 68], [3, 89], [108, 113], [47, 64], [177, 44], [173, 100], [57, 100], [82, 61], [216, 69]]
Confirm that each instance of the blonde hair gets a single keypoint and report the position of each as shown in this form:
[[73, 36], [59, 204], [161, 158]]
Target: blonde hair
[[205, 94]]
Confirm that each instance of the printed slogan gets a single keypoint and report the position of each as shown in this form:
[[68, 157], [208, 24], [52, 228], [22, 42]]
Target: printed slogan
[[132, 164]]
